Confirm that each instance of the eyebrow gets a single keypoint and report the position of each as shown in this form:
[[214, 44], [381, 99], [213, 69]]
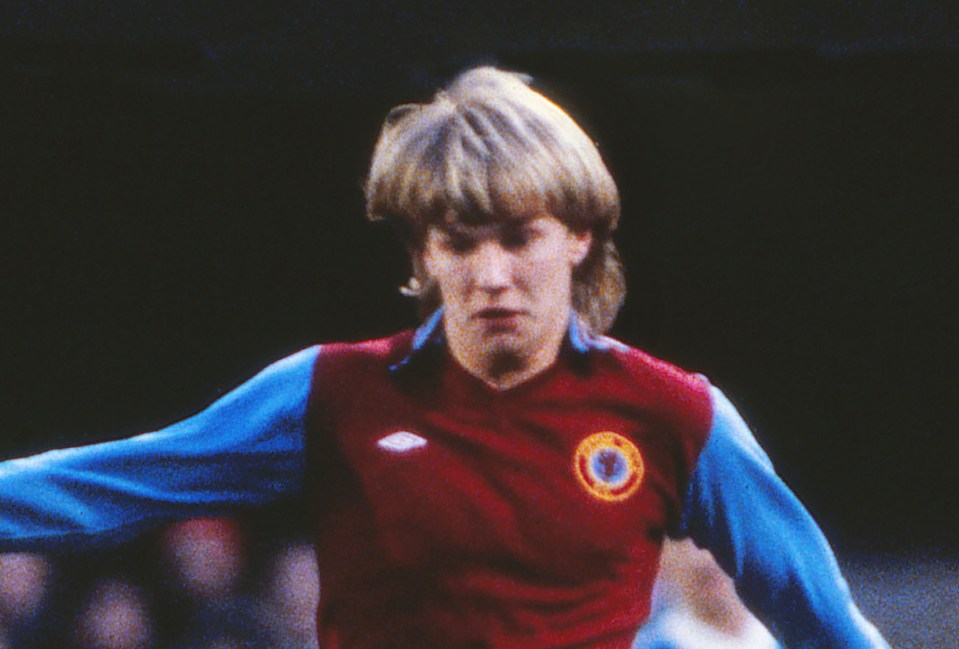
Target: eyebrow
[[458, 228]]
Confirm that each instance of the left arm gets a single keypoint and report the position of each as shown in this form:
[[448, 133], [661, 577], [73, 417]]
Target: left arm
[[762, 536]]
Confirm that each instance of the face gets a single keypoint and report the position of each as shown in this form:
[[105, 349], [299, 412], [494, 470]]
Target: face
[[506, 288]]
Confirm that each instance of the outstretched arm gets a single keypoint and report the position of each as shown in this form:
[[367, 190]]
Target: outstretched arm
[[245, 449], [762, 536]]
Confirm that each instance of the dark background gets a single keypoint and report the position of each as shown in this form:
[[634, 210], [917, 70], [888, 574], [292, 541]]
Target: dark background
[[180, 204]]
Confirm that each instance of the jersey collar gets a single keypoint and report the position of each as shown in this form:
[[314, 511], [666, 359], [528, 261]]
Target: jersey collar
[[579, 340]]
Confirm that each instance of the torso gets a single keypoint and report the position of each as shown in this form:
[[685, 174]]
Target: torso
[[452, 515]]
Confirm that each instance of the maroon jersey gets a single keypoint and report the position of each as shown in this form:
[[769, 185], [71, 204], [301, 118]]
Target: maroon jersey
[[451, 515]]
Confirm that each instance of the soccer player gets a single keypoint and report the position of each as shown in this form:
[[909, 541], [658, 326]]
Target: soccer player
[[504, 475]]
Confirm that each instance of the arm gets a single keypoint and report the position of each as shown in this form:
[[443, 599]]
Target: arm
[[759, 532], [245, 449]]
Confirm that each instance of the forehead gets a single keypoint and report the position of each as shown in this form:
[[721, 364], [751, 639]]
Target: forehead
[[514, 216], [490, 225]]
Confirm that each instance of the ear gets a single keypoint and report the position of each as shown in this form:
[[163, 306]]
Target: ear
[[424, 261], [580, 243]]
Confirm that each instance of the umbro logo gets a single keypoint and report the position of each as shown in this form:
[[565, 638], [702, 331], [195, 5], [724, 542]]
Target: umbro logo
[[401, 442]]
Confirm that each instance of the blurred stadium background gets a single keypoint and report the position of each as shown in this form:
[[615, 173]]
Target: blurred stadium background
[[180, 205]]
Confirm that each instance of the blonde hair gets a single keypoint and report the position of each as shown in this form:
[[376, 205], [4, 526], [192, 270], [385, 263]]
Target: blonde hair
[[488, 147]]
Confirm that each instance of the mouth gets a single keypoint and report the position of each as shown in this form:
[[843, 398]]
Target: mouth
[[499, 318], [497, 312]]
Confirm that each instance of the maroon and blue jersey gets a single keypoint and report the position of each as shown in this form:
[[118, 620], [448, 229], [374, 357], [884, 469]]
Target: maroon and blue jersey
[[449, 514]]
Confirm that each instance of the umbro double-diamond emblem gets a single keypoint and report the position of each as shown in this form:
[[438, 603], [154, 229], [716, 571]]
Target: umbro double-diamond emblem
[[401, 441]]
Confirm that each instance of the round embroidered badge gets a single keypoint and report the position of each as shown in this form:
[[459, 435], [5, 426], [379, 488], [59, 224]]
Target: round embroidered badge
[[609, 466]]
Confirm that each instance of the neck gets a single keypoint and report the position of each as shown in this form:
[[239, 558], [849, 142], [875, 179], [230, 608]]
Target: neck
[[506, 369]]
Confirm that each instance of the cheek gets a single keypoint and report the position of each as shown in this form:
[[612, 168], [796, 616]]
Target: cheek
[[449, 277], [547, 274]]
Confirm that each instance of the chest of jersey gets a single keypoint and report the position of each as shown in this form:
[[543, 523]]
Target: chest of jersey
[[530, 478], [550, 497]]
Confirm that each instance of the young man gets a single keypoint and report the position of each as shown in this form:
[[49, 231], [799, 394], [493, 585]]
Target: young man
[[503, 476]]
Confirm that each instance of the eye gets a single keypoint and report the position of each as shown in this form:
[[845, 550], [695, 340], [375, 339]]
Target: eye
[[517, 237], [458, 242]]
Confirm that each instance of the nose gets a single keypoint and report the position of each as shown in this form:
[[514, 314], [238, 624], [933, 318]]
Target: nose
[[492, 267]]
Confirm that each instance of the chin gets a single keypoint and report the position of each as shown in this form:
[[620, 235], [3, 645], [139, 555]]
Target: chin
[[505, 361], [501, 342], [501, 347]]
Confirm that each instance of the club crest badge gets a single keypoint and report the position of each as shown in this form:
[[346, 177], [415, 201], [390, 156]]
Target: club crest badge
[[609, 466]]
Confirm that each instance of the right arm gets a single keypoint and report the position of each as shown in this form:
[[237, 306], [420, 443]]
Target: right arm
[[247, 448]]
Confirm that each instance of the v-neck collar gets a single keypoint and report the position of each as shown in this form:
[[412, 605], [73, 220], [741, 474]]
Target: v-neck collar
[[577, 346]]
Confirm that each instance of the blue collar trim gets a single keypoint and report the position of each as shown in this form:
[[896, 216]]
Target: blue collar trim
[[579, 339], [430, 334]]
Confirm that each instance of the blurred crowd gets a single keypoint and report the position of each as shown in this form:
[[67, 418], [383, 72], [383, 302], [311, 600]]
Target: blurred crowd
[[198, 584], [224, 583]]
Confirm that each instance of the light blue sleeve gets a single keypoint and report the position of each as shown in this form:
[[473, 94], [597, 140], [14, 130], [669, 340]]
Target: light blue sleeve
[[247, 448], [762, 536]]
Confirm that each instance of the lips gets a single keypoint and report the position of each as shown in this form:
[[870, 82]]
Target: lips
[[498, 318], [494, 314]]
